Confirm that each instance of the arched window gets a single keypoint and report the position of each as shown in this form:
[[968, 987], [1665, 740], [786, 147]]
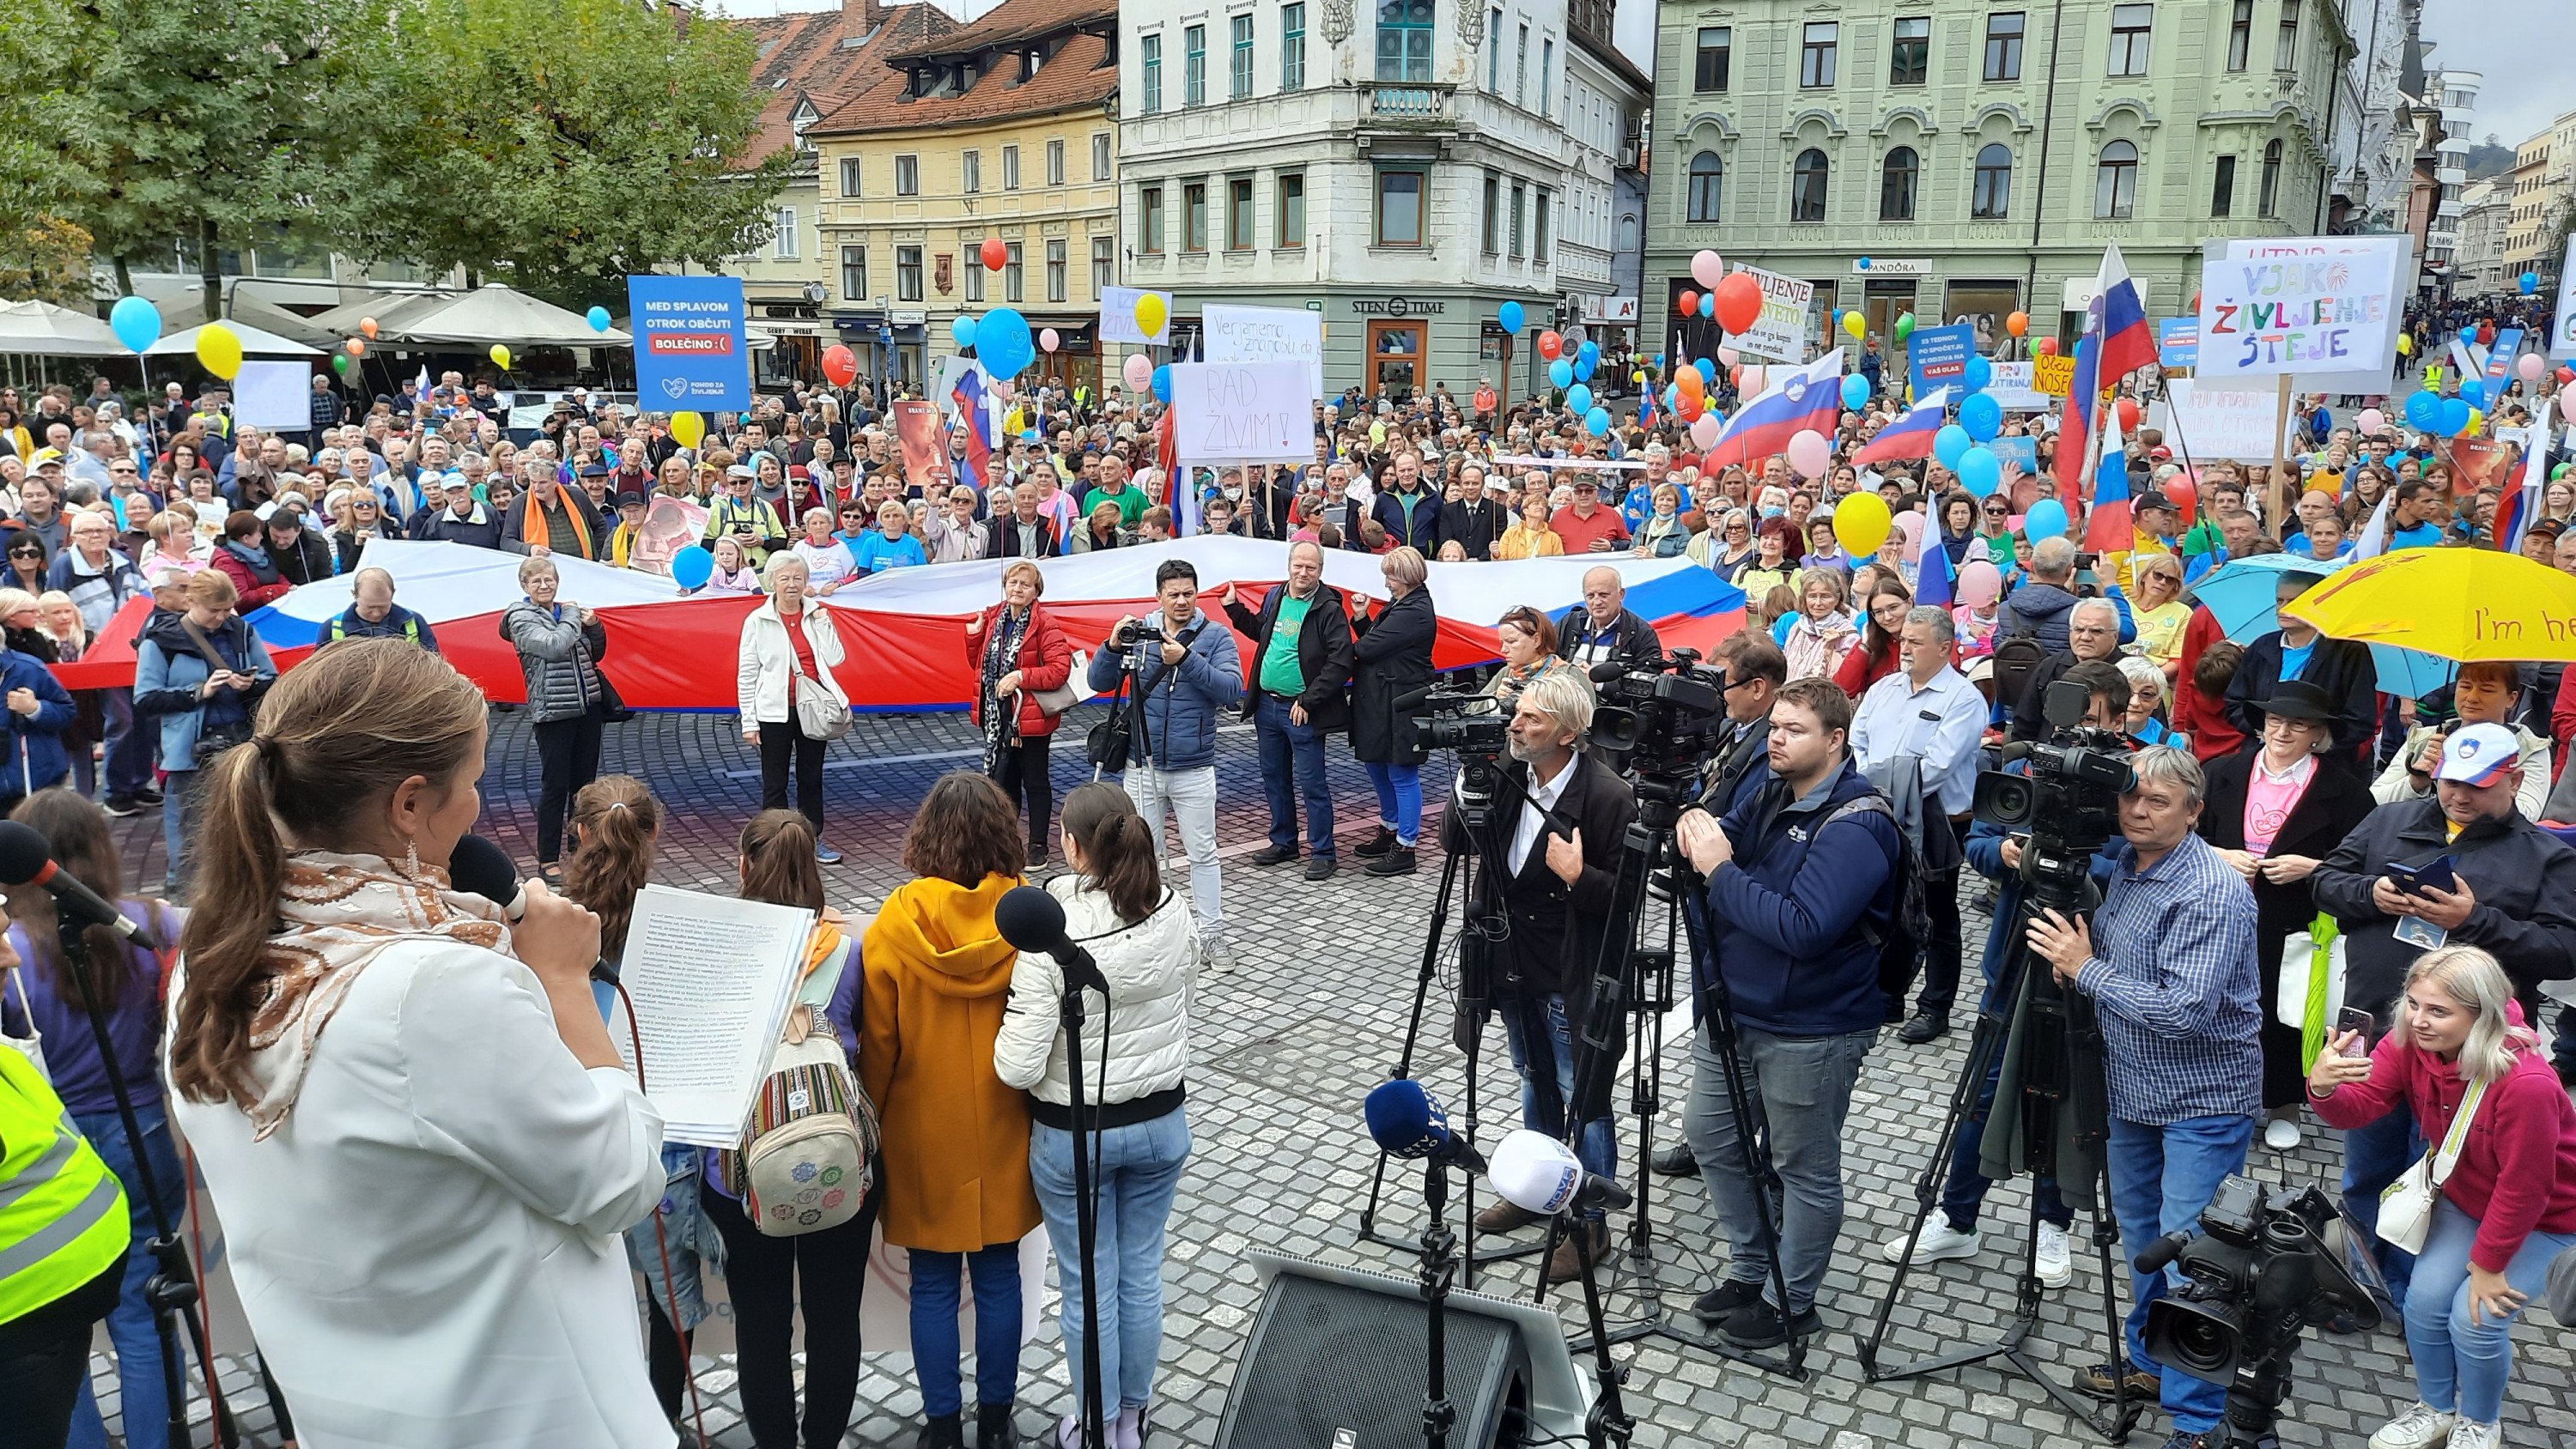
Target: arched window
[[2115, 185], [1896, 185], [1628, 231], [1992, 199], [1807, 187], [1707, 177], [2271, 193]]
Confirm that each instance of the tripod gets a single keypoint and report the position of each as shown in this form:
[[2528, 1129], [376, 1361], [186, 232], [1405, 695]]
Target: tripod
[[172, 1288], [2060, 1055]]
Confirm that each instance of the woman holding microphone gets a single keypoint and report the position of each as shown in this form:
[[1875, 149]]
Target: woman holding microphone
[[2502, 1136], [410, 1116]]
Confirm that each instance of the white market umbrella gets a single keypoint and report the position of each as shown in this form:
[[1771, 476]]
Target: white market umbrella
[[497, 313], [255, 342], [45, 330]]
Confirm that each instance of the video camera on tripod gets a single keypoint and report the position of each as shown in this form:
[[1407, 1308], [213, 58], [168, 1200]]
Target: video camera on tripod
[[2069, 800], [1659, 720]]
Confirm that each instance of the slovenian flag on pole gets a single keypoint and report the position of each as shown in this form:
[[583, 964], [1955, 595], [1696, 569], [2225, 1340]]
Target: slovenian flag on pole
[[1908, 437], [1936, 583], [2127, 342], [1808, 397], [2107, 527], [2514, 509], [2083, 400], [975, 410]]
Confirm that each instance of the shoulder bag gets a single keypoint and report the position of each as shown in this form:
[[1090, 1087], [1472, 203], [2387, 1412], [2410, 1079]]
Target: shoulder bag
[[820, 711], [212, 743], [808, 1154], [2406, 1205]]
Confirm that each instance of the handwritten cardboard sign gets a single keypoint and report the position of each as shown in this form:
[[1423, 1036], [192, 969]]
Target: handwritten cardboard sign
[[2307, 305], [1249, 412], [2054, 376], [1265, 334]]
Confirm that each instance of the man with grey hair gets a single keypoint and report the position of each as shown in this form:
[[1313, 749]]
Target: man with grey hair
[[2039, 607], [2169, 963], [2092, 632], [1928, 712]]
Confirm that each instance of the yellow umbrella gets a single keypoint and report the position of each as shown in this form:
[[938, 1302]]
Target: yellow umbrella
[[2463, 604]]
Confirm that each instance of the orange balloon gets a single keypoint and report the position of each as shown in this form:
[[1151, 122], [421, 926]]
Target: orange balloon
[[1687, 304], [2017, 324], [357, 347], [1692, 385], [367, 325], [2047, 347]]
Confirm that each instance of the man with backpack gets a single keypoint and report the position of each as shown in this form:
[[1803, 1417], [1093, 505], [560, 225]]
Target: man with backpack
[[1807, 883]]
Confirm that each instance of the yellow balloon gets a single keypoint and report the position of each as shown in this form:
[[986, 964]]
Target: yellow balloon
[[500, 357], [1151, 314], [220, 349], [687, 428], [2405, 345], [1854, 324], [2477, 420], [1861, 522]]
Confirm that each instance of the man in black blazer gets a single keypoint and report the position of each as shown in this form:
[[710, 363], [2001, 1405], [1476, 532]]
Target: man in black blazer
[[1474, 521], [1026, 533], [2341, 668], [1292, 693], [1603, 628], [1546, 861]]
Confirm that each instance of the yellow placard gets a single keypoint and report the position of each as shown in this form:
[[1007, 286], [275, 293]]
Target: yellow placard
[[2054, 376]]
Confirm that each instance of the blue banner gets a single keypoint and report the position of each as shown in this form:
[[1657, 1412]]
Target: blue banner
[[2178, 342], [692, 344], [1938, 356], [2500, 360]]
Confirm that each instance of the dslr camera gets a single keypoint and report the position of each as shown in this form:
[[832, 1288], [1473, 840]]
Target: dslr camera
[[1659, 720]]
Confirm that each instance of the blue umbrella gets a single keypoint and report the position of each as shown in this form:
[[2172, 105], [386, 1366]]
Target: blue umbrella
[[2243, 596]]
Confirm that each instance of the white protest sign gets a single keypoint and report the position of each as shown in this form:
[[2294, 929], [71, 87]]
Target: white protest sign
[[2012, 389], [2314, 306], [2214, 420], [1118, 317], [1244, 412], [2561, 344], [1264, 334], [274, 395], [1780, 333]]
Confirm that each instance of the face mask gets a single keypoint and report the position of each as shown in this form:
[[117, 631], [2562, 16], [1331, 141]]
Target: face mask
[[1773, 511]]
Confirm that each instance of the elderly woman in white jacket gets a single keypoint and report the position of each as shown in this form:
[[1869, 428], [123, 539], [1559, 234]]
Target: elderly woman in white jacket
[[789, 649], [1116, 906]]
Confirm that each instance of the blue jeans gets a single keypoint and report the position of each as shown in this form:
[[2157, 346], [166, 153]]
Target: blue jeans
[[1799, 1090], [935, 1345], [1140, 1173], [130, 742], [1399, 799], [142, 1392], [2373, 1156], [1543, 1053], [2161, 1178], [1292, 763], [2459, 1364], [174, 823]]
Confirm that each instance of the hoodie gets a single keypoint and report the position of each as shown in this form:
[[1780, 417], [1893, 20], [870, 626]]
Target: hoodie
[[955, 1166]]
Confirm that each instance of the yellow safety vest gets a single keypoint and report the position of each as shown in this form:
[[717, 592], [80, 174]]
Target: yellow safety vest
[[62, 1213]]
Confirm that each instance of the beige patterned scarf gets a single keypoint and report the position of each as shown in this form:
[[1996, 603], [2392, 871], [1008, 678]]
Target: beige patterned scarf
[[338, 913]]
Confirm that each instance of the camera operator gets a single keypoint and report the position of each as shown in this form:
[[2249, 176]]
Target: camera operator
[[1929, 711], [2169, 962], [1548, 873], [1186, 668], [1802, 884], [1302, 640], [2513, 895], [1603, 630], [2092, 632]]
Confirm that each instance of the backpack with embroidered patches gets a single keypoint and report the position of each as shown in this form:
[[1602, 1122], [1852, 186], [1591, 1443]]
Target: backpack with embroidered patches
[[1908, 937], [808, 1154]]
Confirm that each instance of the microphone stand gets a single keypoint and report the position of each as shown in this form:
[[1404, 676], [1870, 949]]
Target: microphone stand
[[1439, 1273], [1609, 1425], [1081, 974]]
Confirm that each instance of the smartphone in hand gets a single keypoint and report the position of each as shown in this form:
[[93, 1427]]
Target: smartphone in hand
[[2354, 1019]]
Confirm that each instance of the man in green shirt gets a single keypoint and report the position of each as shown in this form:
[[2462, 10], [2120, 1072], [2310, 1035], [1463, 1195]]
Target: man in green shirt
[[1302, 638], [1114, 488]]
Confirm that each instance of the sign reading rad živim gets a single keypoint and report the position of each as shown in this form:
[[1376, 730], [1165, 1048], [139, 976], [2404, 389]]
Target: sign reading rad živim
[[692, 343]]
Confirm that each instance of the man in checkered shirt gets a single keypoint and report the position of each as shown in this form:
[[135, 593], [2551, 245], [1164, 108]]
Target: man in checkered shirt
[[2169, 963]]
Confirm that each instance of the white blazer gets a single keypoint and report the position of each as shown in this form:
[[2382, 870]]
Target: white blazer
[[430, 1248], [767, 661]]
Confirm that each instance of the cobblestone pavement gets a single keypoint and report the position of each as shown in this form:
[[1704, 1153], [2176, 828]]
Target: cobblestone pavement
[[1288, 1045]]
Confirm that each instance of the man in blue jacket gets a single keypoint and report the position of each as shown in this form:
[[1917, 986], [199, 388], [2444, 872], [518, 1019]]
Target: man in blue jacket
[[1802, 884], [1187, 669]]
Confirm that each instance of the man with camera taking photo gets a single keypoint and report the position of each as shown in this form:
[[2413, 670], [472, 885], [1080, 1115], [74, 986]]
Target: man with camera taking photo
[[1184, 669]]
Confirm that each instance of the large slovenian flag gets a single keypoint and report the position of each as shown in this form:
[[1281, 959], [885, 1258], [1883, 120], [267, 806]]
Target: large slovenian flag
[[1936, 581], [2083, 400], [903, 630], [1806, 397], [2514, 510], [2127, 342], [2106, 527], [1910, 436], [975, 409]]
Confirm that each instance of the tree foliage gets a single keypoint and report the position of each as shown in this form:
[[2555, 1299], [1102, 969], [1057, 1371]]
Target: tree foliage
[[46, 258]]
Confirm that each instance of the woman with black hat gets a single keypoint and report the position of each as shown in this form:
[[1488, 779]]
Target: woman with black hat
[[2274, 811]]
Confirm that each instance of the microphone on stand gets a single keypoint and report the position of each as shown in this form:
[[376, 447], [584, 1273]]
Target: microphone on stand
[[27, 858], [1032, 920], [1407, 1121], [1536, 1173]]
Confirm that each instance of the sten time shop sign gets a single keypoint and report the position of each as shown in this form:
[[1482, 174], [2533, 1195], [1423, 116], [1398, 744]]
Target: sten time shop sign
[[1398, 307]]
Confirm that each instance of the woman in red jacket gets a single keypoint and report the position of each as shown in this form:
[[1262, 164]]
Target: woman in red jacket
[[2508, 1203], [1017, 652], [1876, 658]]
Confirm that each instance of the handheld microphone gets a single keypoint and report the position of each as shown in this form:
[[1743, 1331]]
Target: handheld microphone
[[1032, 920], [480, 868], [27, 858], [1407, 1121], [1536, 1173]]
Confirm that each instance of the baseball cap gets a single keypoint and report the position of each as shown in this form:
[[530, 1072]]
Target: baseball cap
[[2152, 499], [455, 480], [2478, 754], [595, 470], [742, 470], [630, 499]]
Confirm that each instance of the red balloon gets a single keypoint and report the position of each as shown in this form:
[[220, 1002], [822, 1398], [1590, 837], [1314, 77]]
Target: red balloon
[[2185, 495], [1549, 345], [1687, 304], [1739, 302], [2128, 416], [1690, 405], [840, 364], [996, 254], [2566, 375], [2048, 347]]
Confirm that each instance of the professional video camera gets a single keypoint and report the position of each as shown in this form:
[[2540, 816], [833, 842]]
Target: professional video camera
[[2070, 800], [2261, 1269], [1660, 720], [1465, 721]]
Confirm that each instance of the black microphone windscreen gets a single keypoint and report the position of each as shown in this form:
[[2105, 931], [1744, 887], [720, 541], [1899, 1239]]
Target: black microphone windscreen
[[24, 852], [483, 869], [1411, 700], [1029, 918], [1608, 670]]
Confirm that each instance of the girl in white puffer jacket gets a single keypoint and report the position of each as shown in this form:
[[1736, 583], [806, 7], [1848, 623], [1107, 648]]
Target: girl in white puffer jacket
[[1140, 933]]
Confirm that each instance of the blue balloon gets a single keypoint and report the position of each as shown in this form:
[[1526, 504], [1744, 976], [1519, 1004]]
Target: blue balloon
[[2529, 282], [2455, 417], [1163, 382], [1672, 397], [1864, 264], [1980, 373], [1951, 444], [1982, 416], [1708, 304], [1659, 359], [1031, 434], [2046, 519], [598, 319], [1513, 318], [963, 329], [691, 567], [1590, 351], [2473, 392], [1707, 370], [1578, 399], [2423, 409], [1003, 341], [137, 322], [1597, 422], [1584, 367], [1561, 373], [1855, 390], [1981, 472]]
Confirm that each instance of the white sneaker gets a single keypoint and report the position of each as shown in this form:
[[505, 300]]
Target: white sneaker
[[1218, 956], [2422, 1426], [2282, 1134], [1938, 1241], [2467, 1435], [2056, 1264]]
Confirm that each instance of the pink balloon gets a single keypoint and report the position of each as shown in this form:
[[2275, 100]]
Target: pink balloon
[[1139, 372], [1910, 524], [2567, 403], [1980, 584], [1750, 383], [1729, 356], [1708, 269], [2370, 420], [1048, 340], [2529, 366], [1704, 432], [1808, 452]]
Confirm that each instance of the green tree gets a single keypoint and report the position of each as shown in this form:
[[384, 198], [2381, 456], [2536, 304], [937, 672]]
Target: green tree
[[551, 143], [46, 258]]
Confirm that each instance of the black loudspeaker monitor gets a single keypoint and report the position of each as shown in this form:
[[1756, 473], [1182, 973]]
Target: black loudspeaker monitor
[[1338, 1363]]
